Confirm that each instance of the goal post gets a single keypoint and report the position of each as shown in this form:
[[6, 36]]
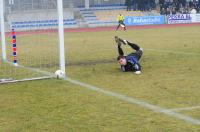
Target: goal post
[[3, 42], [61, 35], [39, 40]]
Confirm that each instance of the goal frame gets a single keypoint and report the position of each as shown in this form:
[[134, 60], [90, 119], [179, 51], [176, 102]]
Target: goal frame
[[60, 45]]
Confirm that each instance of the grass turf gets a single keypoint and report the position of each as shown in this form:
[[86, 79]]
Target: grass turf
[[169, 79]]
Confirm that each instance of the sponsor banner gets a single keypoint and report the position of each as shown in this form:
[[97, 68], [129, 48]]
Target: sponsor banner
[[179, 18], [144, 20], [195, 17]]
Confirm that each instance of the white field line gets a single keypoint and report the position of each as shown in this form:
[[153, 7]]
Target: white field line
[[186, 109], [141, 103], [174, 52]]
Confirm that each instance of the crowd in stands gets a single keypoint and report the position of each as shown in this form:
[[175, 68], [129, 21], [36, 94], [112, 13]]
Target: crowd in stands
[[179, 6], [166, 7], [142, 5]]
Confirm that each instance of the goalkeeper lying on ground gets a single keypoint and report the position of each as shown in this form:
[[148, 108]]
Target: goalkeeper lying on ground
[[131, 61]]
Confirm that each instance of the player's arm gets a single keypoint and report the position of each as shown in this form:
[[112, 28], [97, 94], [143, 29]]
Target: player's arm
[[123, 18], [118, 41], [137, 68]]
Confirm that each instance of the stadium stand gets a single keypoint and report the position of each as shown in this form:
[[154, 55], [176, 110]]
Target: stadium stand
[[42, 19], [41, 24], [107, 16], [94, 20], [93, 17], [100, 12]]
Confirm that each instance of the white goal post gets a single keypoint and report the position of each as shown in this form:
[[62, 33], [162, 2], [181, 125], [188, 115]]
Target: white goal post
[[3, 30], [39, 56], [61, 35]]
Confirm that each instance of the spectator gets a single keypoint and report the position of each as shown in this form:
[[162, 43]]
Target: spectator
[[168, 12], [128, 4], [162, 12], [134, 4], [161, 2], [186, 11], [191, 4], [173, 11], [193, 11]]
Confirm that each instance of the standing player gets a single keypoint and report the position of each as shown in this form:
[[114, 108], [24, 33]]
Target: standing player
[[120, 19], [131, 61]]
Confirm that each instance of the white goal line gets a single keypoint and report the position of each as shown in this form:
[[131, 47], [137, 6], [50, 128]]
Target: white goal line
[[24, 80], [46, 75]]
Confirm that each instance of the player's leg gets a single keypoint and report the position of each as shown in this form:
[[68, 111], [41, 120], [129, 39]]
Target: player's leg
[[132, 45], [118, 25], [139, 50], [124, 26], [139, 53]]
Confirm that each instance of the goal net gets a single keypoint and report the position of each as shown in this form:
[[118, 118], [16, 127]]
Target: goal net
[[31, 48]]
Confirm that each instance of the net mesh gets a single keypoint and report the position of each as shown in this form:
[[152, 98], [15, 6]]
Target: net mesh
[[34, 44], [36, 26]]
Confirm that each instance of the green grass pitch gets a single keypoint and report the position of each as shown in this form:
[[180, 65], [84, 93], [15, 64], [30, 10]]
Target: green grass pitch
[[170, 79]]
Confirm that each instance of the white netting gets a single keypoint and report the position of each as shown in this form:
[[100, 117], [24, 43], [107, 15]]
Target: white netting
[[36, 33], [36, 26]]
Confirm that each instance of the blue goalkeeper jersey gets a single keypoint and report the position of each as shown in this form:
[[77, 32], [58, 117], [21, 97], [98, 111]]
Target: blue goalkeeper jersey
[[132, 63]]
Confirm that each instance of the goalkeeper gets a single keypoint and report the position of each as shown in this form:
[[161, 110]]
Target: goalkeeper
[[131, 61]]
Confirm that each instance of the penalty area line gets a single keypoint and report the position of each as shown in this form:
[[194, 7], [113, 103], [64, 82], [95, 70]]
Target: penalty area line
[[186, 108], [141, 103], [174, 52]]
